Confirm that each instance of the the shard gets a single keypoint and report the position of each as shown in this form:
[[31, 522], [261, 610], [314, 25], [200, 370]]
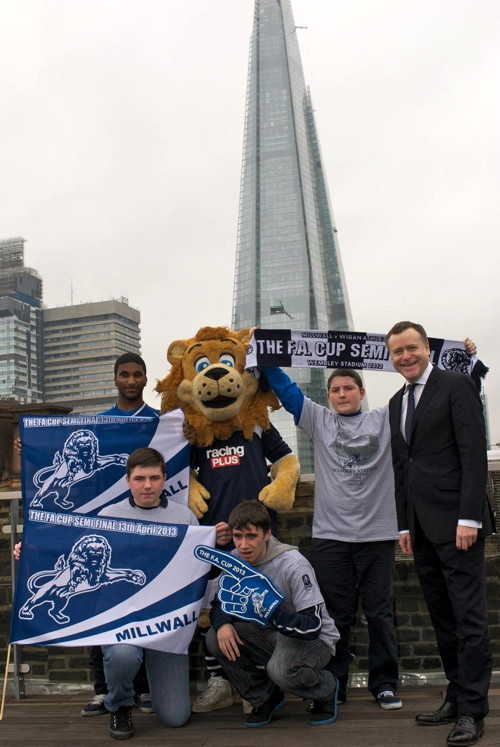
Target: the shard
[[288, 269]]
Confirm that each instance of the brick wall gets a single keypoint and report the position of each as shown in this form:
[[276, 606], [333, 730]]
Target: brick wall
[[416, 640]]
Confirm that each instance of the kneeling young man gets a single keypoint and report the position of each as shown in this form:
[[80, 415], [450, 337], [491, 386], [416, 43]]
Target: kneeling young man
[[168, 673], [294, 649]]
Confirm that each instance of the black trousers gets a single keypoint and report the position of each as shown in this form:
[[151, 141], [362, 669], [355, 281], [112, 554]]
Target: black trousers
[[453, 584], [141, 685], [341, 568]]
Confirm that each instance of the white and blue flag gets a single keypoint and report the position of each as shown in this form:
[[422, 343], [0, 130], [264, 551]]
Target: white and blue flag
[[114, 581], [77, 463], [86, 579]]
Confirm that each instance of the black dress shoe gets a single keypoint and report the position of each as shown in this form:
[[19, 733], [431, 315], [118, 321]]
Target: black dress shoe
[[445, 714], [467, 730]]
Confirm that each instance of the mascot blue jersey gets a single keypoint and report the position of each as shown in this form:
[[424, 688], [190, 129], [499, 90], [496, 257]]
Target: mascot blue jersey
[[235, 469]]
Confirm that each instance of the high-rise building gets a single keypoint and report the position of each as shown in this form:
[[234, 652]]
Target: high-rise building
[[81, 344], [21, 290], [63, 355], [288, 268]]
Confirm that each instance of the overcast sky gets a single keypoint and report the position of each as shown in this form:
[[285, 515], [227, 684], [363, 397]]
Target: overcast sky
[[120, 150]]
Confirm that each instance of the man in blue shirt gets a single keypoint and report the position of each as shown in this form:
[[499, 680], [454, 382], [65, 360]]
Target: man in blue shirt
[[130, 379]]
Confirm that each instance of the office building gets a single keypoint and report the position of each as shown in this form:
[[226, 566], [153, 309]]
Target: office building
[[81, 344], [288, 268], [21, 289]]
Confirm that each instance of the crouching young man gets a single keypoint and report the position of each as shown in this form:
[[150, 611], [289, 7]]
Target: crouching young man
[[291, 647]]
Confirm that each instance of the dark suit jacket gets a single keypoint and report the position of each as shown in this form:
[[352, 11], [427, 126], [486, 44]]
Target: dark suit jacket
[[441, 475]]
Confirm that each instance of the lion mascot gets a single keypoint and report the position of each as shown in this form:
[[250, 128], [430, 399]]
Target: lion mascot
[[228, 409]]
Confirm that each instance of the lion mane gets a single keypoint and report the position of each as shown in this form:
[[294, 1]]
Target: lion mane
[[80, 452], [456, 359], [81, 560], [209, 383]]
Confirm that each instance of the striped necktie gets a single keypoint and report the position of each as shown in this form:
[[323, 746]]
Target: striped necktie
[[410, 412]]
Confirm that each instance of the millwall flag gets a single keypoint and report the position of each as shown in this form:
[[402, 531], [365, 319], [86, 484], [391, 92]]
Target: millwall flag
[[86, 579], [77, 463]]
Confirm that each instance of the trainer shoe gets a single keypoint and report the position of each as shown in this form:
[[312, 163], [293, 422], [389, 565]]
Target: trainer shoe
[[120, 723], [143, 703], [388, 701], [323, 712], [262, 715], [96, 707], [217, 695]]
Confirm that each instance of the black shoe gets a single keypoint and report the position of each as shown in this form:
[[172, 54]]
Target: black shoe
[[262, 715], [120, 723], [467, 730], [445, 714], [323, 712]]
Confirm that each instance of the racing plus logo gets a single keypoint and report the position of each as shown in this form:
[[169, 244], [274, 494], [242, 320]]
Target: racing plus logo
[[226, 456]]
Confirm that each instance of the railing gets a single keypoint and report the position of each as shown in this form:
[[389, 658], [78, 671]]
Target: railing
[[14, 529]]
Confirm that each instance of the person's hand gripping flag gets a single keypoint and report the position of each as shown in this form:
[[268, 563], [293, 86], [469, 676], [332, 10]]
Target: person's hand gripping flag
[[243, 591]]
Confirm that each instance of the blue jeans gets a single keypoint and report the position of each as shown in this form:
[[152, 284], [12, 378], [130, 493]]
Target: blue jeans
[[269, 658], [168, 676], [141, 684]]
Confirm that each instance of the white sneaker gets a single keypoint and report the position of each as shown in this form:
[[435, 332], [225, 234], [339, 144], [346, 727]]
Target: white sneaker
[[389, 701], [96, 707], [143, 702], [217, 695]]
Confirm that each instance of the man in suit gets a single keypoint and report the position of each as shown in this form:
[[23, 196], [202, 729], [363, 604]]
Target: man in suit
[[440, 465]]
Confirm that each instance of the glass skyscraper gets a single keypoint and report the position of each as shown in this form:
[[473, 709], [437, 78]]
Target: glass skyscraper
[[288, 268], [63, 355], [21, 292]]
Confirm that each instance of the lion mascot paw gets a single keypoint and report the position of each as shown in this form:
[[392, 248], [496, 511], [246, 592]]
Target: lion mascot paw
[[228, 408], [280, 493]]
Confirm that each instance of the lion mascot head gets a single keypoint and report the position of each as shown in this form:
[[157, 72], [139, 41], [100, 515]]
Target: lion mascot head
[[209, 383]]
